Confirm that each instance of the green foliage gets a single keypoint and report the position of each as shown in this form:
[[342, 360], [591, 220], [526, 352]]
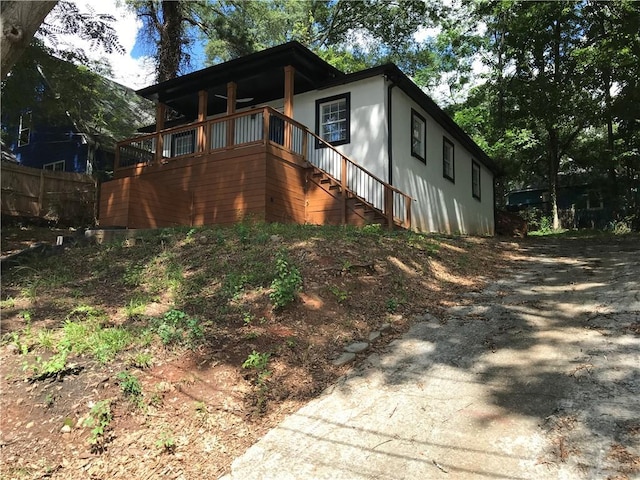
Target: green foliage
[[141, 360], [166, 441], [129, 384], [341, 295], [99, 418], [288, 281], [176, 327], [392, 305], [257, 361]]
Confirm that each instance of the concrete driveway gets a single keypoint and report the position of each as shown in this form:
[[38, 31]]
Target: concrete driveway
[[538, 378]]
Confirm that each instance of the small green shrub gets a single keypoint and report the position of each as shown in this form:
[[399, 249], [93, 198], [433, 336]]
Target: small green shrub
[[287, 283], [176, 327], [341, 295], [99, 418], [130, 385]]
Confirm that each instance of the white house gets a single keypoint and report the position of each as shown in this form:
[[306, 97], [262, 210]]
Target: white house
[[367, 141]]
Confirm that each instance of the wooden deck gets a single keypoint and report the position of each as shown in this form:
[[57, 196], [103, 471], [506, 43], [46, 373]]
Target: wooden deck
[[258, 164]]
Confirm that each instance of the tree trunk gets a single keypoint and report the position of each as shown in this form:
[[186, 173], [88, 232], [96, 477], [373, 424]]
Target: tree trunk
[[554, 163], [19, 22], [171, 39]]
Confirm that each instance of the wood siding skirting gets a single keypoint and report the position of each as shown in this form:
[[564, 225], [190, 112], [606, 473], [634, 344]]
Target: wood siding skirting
[[259, 182]]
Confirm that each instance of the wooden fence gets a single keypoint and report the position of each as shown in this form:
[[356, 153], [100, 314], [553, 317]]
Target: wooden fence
[[62, 197]]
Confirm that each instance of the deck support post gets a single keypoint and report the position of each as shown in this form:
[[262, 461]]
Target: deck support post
[[161, 111], [231, 109], [343, 188], [289, 75], [388, 206], [202, 117]]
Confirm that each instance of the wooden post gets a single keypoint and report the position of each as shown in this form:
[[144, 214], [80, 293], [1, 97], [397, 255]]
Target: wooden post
[[289, 75], [202, 117], [343, 188], [266, 116], [41, 194], [388, 206], [160, 115], [231, 109], [407, 220]]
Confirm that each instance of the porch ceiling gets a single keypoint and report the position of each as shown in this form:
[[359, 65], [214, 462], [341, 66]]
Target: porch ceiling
[[259, 76]]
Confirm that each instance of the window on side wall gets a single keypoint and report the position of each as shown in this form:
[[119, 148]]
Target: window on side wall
[[54, 166], [418, 136], [448, 166], [475, 179], [333, 119]]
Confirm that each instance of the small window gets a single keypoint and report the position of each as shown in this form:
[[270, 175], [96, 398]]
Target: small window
[[594, 201], [475, 180], [24, 131], [418, 136], [54, 166], [183, 143], [448, 167], [333, 119]]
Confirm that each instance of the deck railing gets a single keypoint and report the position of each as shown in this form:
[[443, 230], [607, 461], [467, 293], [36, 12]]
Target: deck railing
[[266, 126]]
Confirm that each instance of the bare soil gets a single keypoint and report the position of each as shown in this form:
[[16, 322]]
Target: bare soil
[[201, 409]]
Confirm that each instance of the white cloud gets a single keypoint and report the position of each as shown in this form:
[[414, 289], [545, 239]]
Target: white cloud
[[132, 72]]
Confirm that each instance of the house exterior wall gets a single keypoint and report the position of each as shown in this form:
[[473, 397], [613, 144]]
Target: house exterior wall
[[440, 205], [368, 142]]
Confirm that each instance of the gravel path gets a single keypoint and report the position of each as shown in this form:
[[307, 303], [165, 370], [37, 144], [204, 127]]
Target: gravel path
[[538, 378]]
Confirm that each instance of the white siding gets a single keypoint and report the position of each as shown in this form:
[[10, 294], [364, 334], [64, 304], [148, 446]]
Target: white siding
[[440, 205]]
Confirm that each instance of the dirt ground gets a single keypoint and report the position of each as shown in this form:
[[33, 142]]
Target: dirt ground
[[201, 408]]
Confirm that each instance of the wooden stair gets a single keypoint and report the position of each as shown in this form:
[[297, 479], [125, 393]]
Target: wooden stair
[[354, 205]]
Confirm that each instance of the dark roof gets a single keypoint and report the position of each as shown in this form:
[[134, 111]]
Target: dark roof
[[260, 76]]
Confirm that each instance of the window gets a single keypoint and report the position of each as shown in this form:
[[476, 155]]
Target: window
[[24, 131], [418, 136], [54, 166], [448, 167], [333, 119], [594, 200], [475, 180], [182, 143]]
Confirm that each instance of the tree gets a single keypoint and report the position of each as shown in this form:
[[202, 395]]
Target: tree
[[19, 22]]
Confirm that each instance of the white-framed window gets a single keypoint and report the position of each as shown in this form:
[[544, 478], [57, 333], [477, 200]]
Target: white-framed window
[[475, 179], [54, 166], [418, 136], [24, 131], [333, 119], [448, 158]]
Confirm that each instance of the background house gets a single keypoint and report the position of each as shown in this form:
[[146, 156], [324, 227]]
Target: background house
[[62, 117], [284, 135]]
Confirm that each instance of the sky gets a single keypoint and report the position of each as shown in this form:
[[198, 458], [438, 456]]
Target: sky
[[134, 69]]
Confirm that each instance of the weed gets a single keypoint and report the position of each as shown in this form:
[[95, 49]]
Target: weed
[[251, 335], [51, 367], [247, 318], [166, 441], [100, 417], [136, 307], [341, 295], [129, 385], [141, 360], [291, 342], [176, 327], [48, 400], [288, 281], [392, 305], [257, 361], [45, 339], [8, 303], [26, 316]]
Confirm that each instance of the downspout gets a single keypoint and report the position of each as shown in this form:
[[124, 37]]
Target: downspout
[[389, 131]]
